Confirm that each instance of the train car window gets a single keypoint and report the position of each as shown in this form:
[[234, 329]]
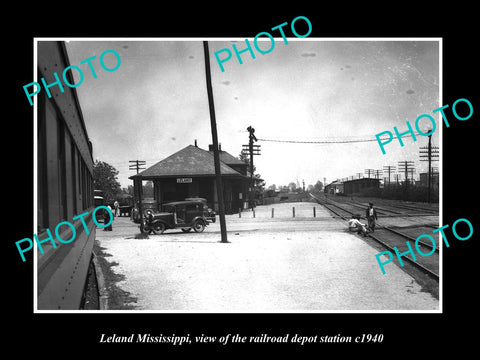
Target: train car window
[[73, 153], [42, 188], [62, 203]]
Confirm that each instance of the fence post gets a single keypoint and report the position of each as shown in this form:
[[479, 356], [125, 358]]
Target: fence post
[[273, 211], [239, 212], [293, 211], [314, 212], [253, 212]]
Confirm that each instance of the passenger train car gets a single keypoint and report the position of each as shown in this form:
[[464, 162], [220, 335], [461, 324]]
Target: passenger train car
[[64, 179]]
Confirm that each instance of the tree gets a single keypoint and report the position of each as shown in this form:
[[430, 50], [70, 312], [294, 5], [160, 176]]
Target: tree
[[105, 179], [272, 187], [259, 184], [318, 187], [283, 188], [128, 190], [244, 157], [292, 187]]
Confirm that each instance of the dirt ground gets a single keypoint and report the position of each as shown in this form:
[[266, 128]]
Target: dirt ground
[[269, 265]]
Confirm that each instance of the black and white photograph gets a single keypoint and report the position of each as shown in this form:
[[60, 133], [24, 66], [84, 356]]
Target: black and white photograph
[[220, 181], [298, 160]]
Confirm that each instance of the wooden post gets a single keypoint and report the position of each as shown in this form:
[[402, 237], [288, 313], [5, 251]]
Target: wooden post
[[216, 156]]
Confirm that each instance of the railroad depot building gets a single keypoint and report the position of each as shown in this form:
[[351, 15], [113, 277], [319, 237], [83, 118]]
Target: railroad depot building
[[357, 185], [190, 172], [353, 186], [335, 187]]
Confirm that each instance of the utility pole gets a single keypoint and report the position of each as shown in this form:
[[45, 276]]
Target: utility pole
[[216, 156], [378, 173], [389, 169], [138, 165], [368, 172], [252, 150], [407, 167], [429, 153], [137, 183]]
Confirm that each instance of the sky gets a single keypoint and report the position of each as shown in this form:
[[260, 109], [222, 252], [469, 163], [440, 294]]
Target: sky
[[310, 89]]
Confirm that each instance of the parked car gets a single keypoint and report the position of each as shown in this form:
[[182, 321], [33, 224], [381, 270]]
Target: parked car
[[98, 201], [125, 204], [185, 215], [211, 215], [147, 205]]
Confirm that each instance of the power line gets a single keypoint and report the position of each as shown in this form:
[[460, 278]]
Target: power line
[[323, 141]]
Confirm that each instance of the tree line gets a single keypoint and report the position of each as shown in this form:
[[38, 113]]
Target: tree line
[[296, 187]]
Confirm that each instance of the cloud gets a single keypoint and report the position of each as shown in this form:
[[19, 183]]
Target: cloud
[[410, 91], [226, 82], [308, 55]]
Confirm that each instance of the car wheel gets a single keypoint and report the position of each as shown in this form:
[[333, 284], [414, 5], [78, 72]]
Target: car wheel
[[143, 229], [185, 230], [199, 226], [159, 228]]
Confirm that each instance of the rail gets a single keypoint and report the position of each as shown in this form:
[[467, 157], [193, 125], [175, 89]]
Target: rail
[[330, 205]]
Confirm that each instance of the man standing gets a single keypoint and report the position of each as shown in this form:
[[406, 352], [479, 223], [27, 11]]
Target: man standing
[[117, 208], [371, 215]]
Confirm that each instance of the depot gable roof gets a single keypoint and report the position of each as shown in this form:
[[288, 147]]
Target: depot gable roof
[[191, 161]]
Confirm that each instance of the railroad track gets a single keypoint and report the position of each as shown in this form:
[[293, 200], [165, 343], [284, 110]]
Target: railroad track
[[390, 238], [384, 212], [412, 207]]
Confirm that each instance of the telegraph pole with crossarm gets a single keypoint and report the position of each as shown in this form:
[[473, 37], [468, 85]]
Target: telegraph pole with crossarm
[[138, 165], [252, 150], [429, 153]]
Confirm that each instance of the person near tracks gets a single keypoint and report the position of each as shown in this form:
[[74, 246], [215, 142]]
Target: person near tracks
[[371, 215], [354, 224]]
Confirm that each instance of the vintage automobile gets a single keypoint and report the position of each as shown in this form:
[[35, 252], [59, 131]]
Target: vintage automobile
[[98, 200], [185, 215], [210, 215], [149, 206], [125, 204]]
